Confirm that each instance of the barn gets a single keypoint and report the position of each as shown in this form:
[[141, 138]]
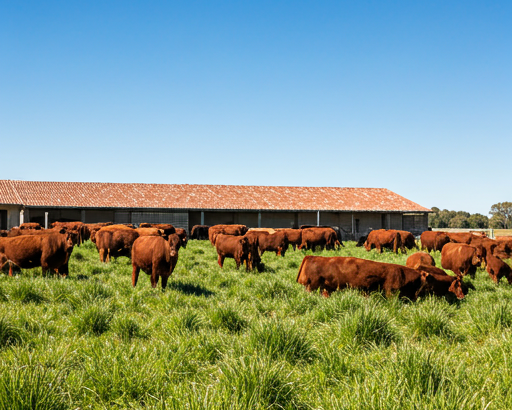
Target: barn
[[354, 210]]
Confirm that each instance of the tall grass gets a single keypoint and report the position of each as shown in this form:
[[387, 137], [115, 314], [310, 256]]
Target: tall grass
[[230, 339]]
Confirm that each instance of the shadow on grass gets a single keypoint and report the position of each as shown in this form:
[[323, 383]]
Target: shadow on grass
[[190, 289]]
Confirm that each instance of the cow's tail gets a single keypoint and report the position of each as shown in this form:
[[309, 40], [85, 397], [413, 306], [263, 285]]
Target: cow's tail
[[302, 265], [398, 242]]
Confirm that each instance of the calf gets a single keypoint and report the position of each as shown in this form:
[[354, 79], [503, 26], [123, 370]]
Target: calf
[[155, 256], [496, 268]]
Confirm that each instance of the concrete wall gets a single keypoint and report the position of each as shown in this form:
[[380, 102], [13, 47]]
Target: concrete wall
[[13, 215]]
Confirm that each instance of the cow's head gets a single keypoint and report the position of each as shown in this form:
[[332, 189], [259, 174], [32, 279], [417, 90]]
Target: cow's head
[[174, 244], [70, 241], [478, 256], [456, 288]]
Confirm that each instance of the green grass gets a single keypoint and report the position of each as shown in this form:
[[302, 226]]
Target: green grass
[[230, 339]]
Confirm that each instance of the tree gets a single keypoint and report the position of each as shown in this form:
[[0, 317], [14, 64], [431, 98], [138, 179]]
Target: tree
[[478, 221], [503, 209], [459, 221], [497, 221]]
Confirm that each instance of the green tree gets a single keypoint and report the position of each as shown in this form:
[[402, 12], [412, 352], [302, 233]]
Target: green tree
[[459, 221], [503, 210], [497, 221], [478, 221]]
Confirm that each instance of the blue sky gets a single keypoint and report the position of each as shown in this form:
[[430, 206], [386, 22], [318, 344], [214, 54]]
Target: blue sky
[[411, 96]]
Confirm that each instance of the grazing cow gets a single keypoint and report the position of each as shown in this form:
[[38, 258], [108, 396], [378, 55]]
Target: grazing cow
[[276, 242], [199, 232], [460, 237], [50, 251], [182, 233], [115, 242], [150, 232], [325, 238], [384, 238], [331, 273], [433, 241], [408, 240], [361, 241], [294, 236], [442, 284], [420, 258], [236, 230], [336, 229], [229, 246], [167, 229], [461, 259], [155, 256], [253, 259]]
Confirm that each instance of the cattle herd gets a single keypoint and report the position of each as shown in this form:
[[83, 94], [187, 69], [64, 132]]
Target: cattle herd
[[154, 249]]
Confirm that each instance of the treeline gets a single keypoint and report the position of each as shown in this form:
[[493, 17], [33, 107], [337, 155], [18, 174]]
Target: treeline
[[501, 218]]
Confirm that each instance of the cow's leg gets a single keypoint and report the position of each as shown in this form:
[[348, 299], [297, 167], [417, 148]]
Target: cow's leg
[[164, 281], [135, 275], [10, 269], [154, 280], [102, 255], [63, 270], [108, 255], [220, 260]]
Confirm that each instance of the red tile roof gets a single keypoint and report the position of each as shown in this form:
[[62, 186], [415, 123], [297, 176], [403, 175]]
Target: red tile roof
[[219, 197]]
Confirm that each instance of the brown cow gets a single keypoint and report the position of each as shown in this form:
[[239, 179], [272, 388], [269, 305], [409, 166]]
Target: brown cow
[[167, 229], [150, 232], [325, 238], [81, 228], [229, 246], [199, 232], [461, 259], [252, 259], [408, 240], [276, 242], [50, 251], [331, 273], [236, 230], [115, 242], [420, 258], [496, 268], [433, 241], [30, 225], [182, 233], [294, 236], [442, 284], [155, 256], [384, 238]]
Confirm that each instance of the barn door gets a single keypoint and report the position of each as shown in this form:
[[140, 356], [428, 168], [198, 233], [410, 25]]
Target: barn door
[[3, 219]]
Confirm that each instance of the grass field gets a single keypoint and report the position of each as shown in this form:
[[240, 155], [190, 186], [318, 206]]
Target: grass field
[[228, 339]]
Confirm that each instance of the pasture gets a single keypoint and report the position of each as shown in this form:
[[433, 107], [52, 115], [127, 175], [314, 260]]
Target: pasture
[[227, 339]]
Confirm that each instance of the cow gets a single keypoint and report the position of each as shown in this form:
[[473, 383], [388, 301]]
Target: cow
[[442, 284], [199, 232], [461, 259], [182, 233], [407, 239], [460, 237], [420, 258], [276, 242], [150, 232], [167, 229], [50, 251], [156, 257], [115, 242], [496, 268], [325, 238], [504, 248], [81, 228], [30, 225], [433, 241], [384, 238], [294, 236], [361, 241], [236, 230], [252, 259], [332, 273], [336, 229], [229, 246]]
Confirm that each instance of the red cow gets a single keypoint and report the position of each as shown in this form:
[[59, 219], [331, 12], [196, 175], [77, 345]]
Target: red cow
[[294, 236], [496, 268], [253, 259], [155, 256], [331, 273], [461, 259], [420, 258], [433, 241], [325, 238], [384, 238], [113, 242], [50, 251], [229, 246], [408, 240], [182, 233], [275, 242], [236, 230]]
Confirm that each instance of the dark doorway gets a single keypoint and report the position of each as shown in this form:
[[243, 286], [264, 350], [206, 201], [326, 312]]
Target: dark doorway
[[3, 219]]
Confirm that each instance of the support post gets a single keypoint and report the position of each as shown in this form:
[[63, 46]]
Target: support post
[[259, 219], [202, 217], [317, 218], [22, 212], [353, 225], [46, 220]]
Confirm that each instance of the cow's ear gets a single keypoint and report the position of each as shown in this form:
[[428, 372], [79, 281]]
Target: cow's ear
[[425, 276], [62, 230]]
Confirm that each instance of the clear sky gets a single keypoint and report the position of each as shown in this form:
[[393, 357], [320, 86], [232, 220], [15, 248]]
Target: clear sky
[[413, 96]]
